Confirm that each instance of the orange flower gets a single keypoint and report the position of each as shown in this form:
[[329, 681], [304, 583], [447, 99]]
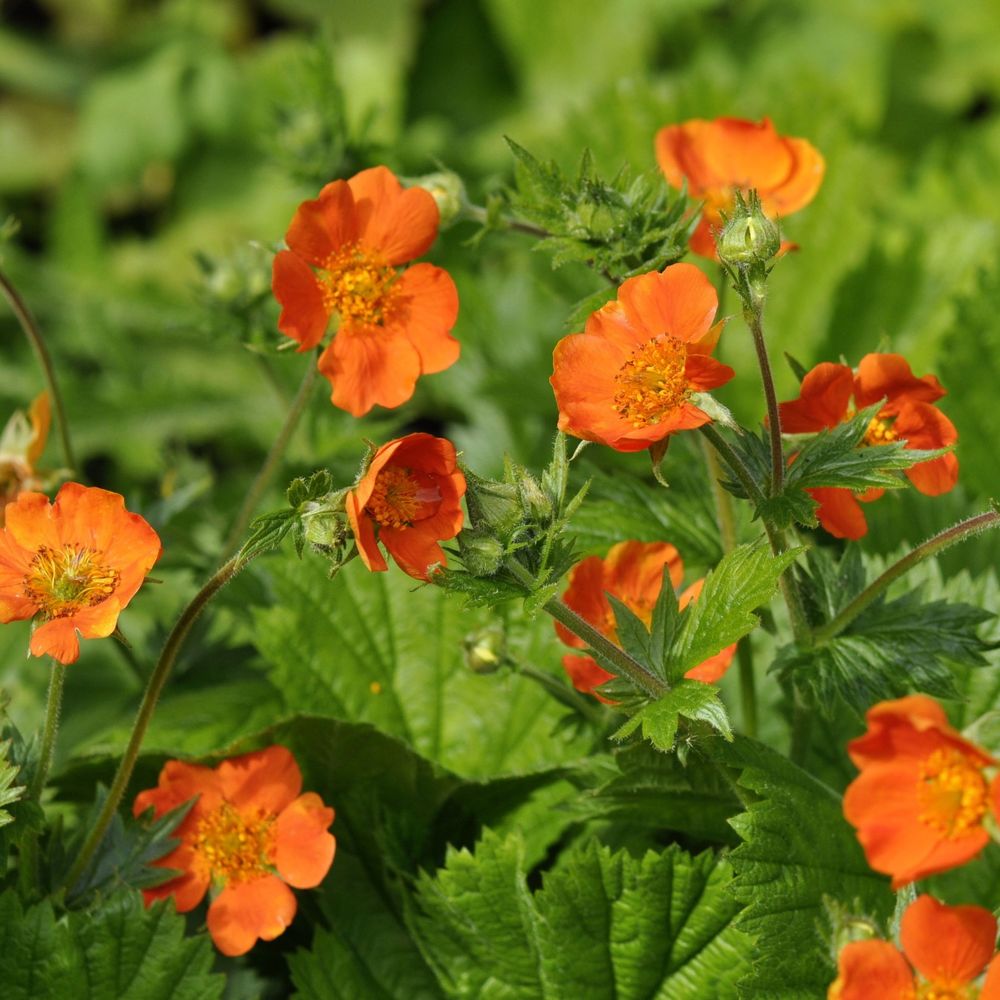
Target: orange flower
[[718, 158], [21, 445], [75, 565], [908, 414], [631, 377], [948, 948], [345, 248], [249, 836], [922, 797], [409, 499], [633, 573]]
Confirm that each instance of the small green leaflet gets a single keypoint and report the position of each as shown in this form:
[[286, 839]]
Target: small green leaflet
[[659, 719], [9, 792]]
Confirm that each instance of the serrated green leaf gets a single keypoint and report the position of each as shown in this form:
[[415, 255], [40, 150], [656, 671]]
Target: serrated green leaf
[[603, 924], [660, 719], [267, 531], [9, 792], [797, 849], [118, 950], [745, 579]]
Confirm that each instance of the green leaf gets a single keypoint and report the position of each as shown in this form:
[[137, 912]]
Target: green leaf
[[603, 924], [117, 951], [797, 849], [659, 719], [268, 531], [9, 792], [375, 647], [745, 579]]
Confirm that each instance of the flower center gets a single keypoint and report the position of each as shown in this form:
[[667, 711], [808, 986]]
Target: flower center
[[63, 581], [652, 382], [880, 431], [359, 286], [402, 496], [235, 847], [952, 792], [932, 991]]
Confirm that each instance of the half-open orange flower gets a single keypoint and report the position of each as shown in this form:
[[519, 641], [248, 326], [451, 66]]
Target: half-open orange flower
[[633, 573], [923, 794], [632, 376], [73, 565], [831, 394], [718, 158], [409, 499], [946, 949], [343, 257], [249, 836], [21, 445]]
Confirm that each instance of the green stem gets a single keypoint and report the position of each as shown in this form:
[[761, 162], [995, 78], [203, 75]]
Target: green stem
[[34, 335], [728, 453], [567, 696], [753, 312], [155, 685], [582, 629], [748, 688], [51, 728], [476, 213], [950, 536], [266, 472]]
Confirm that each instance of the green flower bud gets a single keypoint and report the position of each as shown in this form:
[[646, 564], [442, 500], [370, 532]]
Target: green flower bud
[[447, 190], [749, 236], [324, 529], [481, 554], [485, 649], [494, 507]]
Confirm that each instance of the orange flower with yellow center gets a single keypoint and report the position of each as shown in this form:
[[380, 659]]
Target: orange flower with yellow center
[[409, 499], [945, 950], [923, 795], [72, 565], [715, 159], [633, 573], [249, 836], [343, 260], [832, 393], [632, 377]]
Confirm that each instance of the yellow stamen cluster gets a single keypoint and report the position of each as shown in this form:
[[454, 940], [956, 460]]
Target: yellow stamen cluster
[[394, 502], [63, 581], [932, 991], [953, 792], [235, 847], [652, 382], [880, 431], [358, 285]]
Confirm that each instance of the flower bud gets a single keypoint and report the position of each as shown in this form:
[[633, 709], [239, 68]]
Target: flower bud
[[324, 529], [749, 236], [447, 190], [485, 649], [481, 554], [494, 507]]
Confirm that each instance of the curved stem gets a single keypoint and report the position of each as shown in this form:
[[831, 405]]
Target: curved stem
[[51, 728], [266, 472], [753, 313], [950, 536], [34, 335], [598, 642], [729, 454], [153, 688]]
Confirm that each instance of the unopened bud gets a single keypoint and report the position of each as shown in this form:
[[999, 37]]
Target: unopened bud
[[485, 649], [537, 505], [481, 554], [324, 529], [749, 236], [447, 190], [494, 507]]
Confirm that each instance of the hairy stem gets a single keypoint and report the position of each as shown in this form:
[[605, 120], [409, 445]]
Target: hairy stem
[[753, 312], [950, 536], [266, 472], [149, 699], [34, 335], [582, 629], [53, 707]]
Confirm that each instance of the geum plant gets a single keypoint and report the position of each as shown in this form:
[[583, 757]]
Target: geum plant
[[682, 856]]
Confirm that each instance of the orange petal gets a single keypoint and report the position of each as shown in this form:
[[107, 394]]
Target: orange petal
[[428, 308], [415, 551], [679, 301], [188, 889], [702, 240], [266, 780], [29, 522], [364, 535], [925, 426], [324, 224], [368, 367], [586, 596], [611, 323], [839, 512], [401, 224], [746, 154], [949, 945], [800, 186], [246, 911], [915, 712], [991, 988], [823, 400], [303, 317], [56, 638], [872, 969], [889, 376], [714, 668], [586, 674], [633, 571], [704, 373], [303, 848], [41, 419]]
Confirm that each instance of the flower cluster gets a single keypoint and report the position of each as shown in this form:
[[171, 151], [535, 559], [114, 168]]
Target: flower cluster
[[945, 949], [633, 573], [344, 252], [715, 159], [249, 835], [832, 393]]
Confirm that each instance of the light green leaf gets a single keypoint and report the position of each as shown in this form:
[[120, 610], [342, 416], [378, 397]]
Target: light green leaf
[[659, 719]]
